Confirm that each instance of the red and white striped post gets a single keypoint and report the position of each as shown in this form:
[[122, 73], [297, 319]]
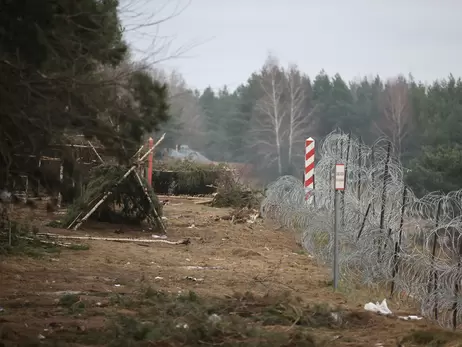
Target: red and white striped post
[[150, 158], [309, 169]]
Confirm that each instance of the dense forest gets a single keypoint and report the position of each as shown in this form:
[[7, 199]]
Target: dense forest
[[266, 119], [65, 69]]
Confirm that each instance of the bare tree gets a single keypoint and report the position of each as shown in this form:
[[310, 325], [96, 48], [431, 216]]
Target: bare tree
[[188, 117], [269, 119], [143, 20], [299, 120], [396, 123]]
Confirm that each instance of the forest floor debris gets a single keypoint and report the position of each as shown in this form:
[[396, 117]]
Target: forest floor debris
[[242, 215], [235, 284]]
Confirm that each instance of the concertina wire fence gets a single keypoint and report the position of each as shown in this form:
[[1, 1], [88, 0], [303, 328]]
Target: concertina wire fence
[[388, 236]]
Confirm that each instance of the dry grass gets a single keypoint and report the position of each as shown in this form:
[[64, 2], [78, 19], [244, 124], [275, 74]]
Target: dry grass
[[433, 338], [127, 294]]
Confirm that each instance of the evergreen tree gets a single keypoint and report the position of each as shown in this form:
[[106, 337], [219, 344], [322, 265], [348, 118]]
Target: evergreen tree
[[64, 70]]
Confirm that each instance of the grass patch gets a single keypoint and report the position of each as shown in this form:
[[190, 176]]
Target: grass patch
[[72, 303], [23, 242], [433, 338], [154, 317], [124, 301], [67, 300], [321, 239], [157, 318], [55, 224], [79, 247]]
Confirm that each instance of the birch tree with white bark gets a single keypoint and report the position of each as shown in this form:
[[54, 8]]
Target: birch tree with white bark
[[396, 122], [300, 119], [269, 128]]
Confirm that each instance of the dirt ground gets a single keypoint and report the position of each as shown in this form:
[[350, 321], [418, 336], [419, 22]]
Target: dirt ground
[[223, 258]]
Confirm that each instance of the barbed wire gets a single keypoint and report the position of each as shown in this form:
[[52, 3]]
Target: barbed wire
[[388, 236]]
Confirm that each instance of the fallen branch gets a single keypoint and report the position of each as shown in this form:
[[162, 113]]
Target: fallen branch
[[206, 202], [115, 239], [60, 244]]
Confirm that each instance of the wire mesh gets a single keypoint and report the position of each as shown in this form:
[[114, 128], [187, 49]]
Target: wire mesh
[[413, 245]]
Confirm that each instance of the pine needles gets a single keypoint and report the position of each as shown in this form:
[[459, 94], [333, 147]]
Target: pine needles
[[127, 204]]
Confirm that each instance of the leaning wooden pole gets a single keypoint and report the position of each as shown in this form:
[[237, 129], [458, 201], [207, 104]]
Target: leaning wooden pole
[[138, 151], [156, 214], [107, 194], [150, 159], [96, 152]]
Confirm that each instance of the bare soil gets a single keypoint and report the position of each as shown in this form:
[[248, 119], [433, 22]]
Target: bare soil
[[224, 260]]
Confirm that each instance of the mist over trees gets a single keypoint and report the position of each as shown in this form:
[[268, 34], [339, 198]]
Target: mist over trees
[[265, 120], [65, 69]]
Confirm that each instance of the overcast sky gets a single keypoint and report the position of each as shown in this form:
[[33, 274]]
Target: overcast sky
[[229, 39]]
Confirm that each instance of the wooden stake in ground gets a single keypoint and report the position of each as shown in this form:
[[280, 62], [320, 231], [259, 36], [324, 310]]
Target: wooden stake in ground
[[61, 177], [107, 194]]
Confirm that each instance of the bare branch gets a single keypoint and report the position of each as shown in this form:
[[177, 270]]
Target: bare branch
[[143, 20], [396, 122], [299, 120], [269, 117]]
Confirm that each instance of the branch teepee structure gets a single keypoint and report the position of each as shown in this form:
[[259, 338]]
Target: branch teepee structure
[[122, 186]]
